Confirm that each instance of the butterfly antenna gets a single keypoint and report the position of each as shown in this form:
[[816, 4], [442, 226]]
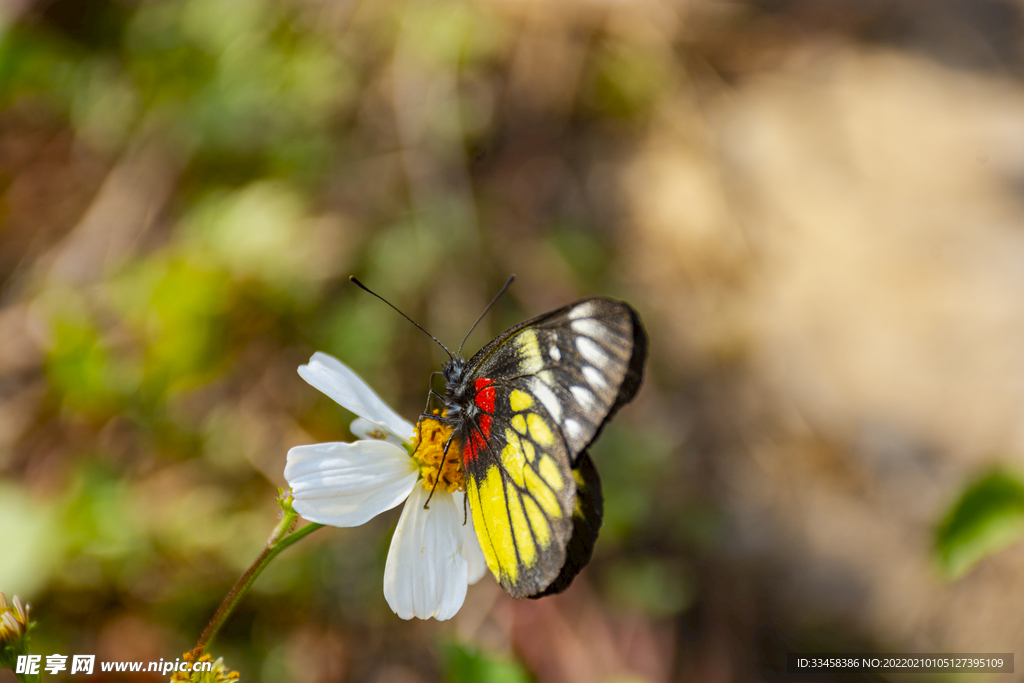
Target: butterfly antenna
[[496, 297], [365, 288]]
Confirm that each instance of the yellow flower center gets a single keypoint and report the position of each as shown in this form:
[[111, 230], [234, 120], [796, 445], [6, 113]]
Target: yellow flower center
[[218, 673], [428, 440]]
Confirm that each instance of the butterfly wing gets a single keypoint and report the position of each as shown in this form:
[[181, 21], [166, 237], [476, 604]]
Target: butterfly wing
[[545, 388], [587, 514]]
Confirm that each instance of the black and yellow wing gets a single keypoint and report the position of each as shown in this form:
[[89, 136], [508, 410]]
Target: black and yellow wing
[[543, 390]]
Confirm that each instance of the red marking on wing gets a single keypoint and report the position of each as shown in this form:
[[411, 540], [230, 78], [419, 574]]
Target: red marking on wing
[[485, 402], [473, 448], [484, 395]]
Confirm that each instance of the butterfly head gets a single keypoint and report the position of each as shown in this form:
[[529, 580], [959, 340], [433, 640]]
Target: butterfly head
[[454, 371], [457, 388]]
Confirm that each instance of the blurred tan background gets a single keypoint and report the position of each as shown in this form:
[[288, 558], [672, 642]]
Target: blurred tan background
[[817, 206]]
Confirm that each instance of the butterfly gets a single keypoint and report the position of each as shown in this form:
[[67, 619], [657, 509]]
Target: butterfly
[[523, 412]]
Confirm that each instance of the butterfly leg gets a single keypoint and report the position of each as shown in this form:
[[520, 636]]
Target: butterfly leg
[[426, 410], [426, 506], [431, 393], [444, 459], [426, 414]]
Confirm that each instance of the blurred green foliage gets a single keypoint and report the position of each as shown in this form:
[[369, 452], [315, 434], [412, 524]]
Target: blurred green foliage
[[626, 480], [467, 665], [165, 396], [628, 80], [988, 517]]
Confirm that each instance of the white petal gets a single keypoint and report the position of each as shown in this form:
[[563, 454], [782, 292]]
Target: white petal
[[347, 484], [362, 428], [334, 378], [425, 575], [470, 544]]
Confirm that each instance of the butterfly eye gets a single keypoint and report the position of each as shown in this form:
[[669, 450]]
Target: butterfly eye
[[453, 371]]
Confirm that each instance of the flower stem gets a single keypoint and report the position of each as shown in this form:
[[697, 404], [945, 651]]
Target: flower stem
[[281, 538]]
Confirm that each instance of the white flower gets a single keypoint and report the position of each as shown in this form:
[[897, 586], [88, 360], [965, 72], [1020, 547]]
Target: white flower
[[433, 555]]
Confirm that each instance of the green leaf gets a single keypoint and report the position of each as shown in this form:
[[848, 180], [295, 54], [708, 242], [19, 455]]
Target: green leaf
[[465, 665], [987, 518], [659, 587]]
